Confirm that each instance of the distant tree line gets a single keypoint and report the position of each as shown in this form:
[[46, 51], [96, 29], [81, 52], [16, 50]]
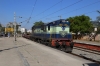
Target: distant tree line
[[2, 29]]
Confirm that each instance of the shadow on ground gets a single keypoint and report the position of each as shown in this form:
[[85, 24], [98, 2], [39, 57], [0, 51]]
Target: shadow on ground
[[13, 47], [91, 64]]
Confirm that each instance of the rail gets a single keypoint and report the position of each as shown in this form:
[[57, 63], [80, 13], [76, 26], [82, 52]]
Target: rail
[[87, 46]]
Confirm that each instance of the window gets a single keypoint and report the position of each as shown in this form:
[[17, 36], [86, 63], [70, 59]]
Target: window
[[48, 27]]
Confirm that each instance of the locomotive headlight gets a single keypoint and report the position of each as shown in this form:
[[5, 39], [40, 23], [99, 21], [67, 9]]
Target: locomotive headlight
[[60, 24], [65, 25]]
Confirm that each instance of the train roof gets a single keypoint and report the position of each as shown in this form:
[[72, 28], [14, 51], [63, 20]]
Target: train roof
[[56, 22]]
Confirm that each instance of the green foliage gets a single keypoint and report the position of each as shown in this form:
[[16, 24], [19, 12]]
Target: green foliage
[[80, 24], [98, 18], [38, 24], [17, 27], [2, 29], [0, 25], [19, 32]]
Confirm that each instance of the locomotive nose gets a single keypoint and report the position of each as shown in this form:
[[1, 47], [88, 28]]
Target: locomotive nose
[[63, 33]]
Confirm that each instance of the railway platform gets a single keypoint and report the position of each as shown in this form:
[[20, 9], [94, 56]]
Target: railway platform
[[25, 52]]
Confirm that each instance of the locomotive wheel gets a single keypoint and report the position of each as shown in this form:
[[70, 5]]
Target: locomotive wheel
[[63, 48], [45, 43], [49, 44], [60, 47], [38, 41], [41, 41], [71, 45]]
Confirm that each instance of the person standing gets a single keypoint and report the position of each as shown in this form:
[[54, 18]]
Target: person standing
[[8, 34]]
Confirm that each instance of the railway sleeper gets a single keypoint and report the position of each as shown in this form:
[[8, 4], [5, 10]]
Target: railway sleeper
[[87, 50]]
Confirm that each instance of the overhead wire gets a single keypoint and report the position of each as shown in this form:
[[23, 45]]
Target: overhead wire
[[62, 8], [49, 8], [31, 13], [32, 10], [83, 7], [83, 13], [79, 8], [89, 12], [67, 7]]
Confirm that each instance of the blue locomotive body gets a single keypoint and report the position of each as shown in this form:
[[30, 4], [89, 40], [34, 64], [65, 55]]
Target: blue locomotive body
[[55, 34]]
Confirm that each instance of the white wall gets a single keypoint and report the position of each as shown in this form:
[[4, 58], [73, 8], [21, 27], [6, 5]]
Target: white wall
[[22, 30]]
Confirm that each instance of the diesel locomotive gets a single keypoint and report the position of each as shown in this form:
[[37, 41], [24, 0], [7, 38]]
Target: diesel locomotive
[[55, 34]]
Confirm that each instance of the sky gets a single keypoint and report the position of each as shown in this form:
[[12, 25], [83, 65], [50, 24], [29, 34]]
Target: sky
[[45, 10]]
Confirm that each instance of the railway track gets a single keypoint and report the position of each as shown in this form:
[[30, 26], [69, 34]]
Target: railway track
[[87, 46], [86, 54], [87, 51]]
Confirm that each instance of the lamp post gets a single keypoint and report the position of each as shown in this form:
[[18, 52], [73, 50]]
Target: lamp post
[[15, 25]]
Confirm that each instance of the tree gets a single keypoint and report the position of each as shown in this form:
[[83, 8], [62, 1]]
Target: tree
[[98, 20], [98, 17], [38, 24], [2, 29], [80, 24], [98, 27], [17, 27]]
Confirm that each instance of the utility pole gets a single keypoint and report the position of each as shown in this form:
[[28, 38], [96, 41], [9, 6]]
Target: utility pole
[[15, 25]]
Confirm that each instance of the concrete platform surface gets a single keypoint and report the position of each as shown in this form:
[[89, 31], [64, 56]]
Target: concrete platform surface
[[24, 52]]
